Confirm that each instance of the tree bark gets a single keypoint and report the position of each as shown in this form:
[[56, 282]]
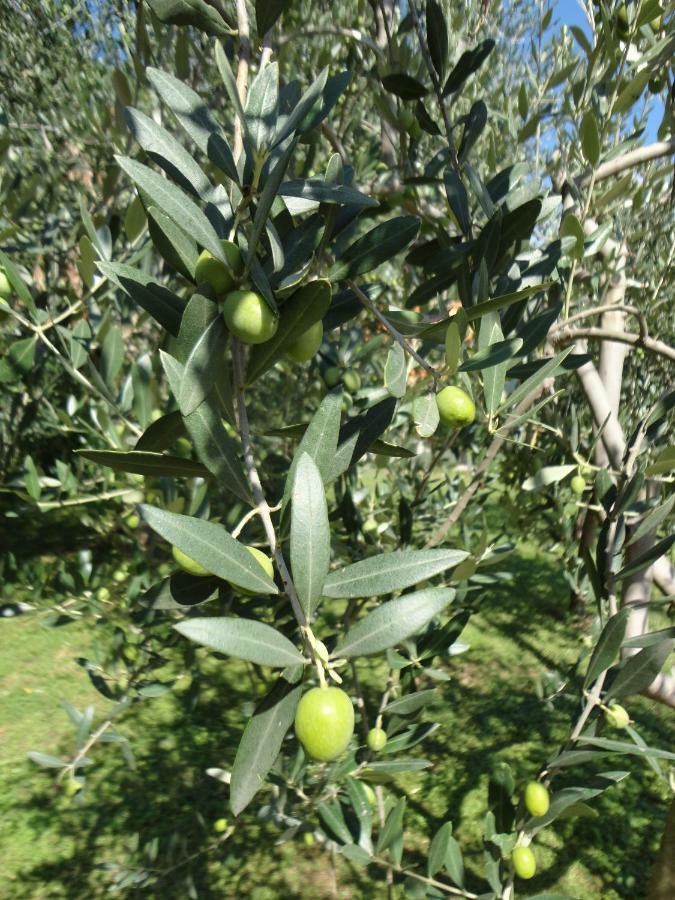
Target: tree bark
[[662, 881]]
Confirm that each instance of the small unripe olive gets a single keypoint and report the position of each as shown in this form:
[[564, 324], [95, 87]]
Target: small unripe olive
[[249, 318], [332, 376], [102, 594], [377, 738], [524, 862], [308, 839], [370, 793], [5, 286], [132, 521], [264, 561], [406, 117], [616, 716], [187, 564], [455, 407], [307, 344], [537, 800], [119, 576], [578, 484], [351, 380], [220, 825], [220, 276]]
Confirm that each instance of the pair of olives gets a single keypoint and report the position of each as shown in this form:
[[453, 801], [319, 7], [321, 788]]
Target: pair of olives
[[246, 314]]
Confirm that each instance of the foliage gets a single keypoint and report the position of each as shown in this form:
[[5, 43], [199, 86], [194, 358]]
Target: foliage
[[425, 239]]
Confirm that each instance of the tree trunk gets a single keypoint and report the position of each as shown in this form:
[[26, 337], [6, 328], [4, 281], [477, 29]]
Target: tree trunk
[[662, 881]]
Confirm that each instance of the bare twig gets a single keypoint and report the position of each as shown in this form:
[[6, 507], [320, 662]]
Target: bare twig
[[242, 69], [262, 505], [394, 332], [569, 335], [628, 161]]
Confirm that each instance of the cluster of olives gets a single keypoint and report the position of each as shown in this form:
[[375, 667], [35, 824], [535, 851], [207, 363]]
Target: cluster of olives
[[246, 314], [324, 724], [537, 803]]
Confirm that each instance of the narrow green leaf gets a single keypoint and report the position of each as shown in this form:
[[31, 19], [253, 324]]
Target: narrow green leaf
[[504, 300], [608, 646], [590, 138], [375, 247], [547, 475], [298, 117], [310, 534], [141, 462], [392, 622], [242, 638], [658, 550], [389, 572], [176, 204], [167, 152], [315, 189], [494, 378], [533, 382], [425, 414], [267, 196], [163, 305], [174, 245], [202, 366], [492, 355], [261, 107], [212, 547], [393, 827], [640, 670], [438, 849], [396, 371]]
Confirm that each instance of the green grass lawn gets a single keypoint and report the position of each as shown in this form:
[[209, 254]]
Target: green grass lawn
[[489, 711]]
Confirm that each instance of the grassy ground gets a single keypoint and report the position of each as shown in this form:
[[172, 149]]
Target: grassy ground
[[489, 711]]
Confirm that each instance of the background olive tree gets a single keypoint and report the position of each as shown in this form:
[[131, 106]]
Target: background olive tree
[[489, 218]]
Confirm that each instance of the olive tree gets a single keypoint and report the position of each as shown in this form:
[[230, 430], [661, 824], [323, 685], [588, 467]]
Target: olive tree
[[488, 239]]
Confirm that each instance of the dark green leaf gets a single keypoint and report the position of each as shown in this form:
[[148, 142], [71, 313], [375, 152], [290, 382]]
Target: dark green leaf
[[404, 86], [162, 434], [177, 205], [261, 742], [640, 670], [393, 827], [266, 14], [469, 62], [375, 247], [310, 534], [163, 305], [144, 463], [608, 646], [437, 36]]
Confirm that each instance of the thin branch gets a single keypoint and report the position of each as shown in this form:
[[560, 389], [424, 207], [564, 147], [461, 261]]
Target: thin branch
[[628, 161], [438, 90], [262, 505], [569, 335], [394, 332], [484, 466], [242, 69]]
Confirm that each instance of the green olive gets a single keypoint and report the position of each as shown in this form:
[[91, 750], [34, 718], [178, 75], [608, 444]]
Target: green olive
[[249, 318], [524, 862], [578, 484], [187, 564], [304, 347], [324, 722], [455, 407], [537, 800], [616, 716], [377, 738], [219, 275]]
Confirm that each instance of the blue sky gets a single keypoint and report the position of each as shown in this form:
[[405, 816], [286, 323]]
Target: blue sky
[[569, 12]]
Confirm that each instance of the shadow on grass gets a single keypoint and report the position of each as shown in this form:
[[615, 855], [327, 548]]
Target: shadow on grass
[[487, 713]]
